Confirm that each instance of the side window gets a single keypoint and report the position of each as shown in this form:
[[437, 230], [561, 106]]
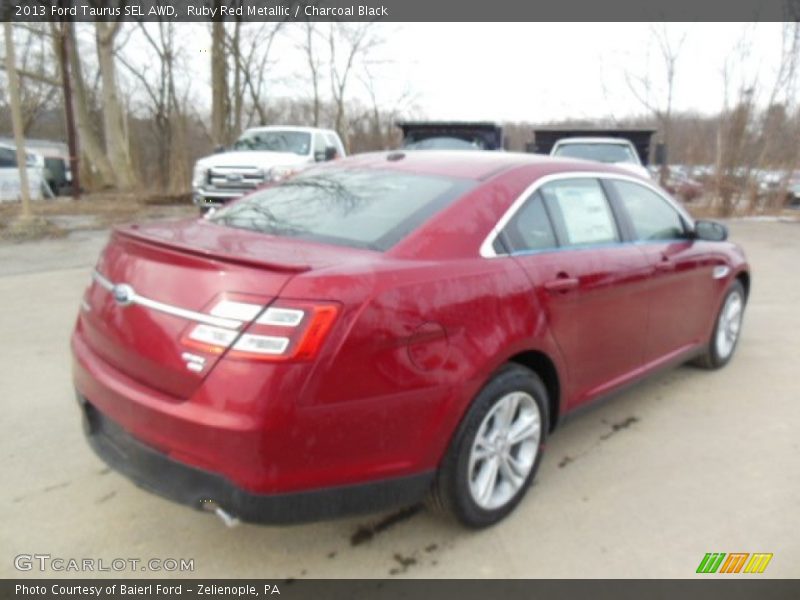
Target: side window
[[651, 215], [530, 228], [580, 211], [8, 157]]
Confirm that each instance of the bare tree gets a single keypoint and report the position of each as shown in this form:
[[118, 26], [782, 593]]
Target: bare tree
[[16, 120], [61, 51], [347, 42], [220, 107], [773, 120], [91, 147], [734, 127], [116, 139], [249, 48], [38, 83], [658, 98], [314, 67], [383, 115], [165, 107]]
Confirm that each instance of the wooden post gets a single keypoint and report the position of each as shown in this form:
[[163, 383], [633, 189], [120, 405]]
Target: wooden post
[[16, 121]]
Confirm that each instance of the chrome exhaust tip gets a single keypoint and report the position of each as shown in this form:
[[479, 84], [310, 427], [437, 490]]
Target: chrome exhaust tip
[[227, 518]]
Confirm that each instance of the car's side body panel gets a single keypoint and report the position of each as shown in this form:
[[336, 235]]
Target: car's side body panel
[[431, 340]]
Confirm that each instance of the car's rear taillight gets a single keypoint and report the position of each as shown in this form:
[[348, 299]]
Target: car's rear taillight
[[287, 330]]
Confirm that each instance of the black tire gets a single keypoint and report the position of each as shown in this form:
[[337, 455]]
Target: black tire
[[450, 493], [712, 358]]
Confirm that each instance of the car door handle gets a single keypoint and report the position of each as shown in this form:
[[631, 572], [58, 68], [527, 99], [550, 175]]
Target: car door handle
[[665, 264], [561, 284]]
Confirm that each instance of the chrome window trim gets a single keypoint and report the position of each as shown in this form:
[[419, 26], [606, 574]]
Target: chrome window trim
[[487, 247], [169, 309]]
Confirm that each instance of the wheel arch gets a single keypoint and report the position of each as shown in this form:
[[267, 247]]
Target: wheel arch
[[541, 364], [743, 277]]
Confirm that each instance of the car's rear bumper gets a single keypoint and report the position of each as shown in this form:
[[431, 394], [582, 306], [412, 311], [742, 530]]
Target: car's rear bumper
[[158, 473]]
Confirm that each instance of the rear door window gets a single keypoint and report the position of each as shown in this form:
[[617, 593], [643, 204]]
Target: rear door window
[[580, 211]]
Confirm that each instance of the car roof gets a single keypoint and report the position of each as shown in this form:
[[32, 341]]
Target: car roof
[[477, 165]]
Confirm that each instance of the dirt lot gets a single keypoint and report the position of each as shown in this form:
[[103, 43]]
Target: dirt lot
[[641, 486]]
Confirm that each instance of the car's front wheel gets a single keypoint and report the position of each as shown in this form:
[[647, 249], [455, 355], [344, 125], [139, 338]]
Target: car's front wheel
[[496, 451], [726, 329]]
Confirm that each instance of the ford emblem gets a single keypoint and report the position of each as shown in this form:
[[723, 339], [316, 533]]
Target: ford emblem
[[123, 294]]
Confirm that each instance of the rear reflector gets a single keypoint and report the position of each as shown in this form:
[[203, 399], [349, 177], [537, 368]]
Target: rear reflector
[[322, 318]]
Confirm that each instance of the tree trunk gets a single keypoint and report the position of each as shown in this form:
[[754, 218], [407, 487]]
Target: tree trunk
[[238, 92], [16, 121], [60, 42], [219, 85], [313, 68], [90, 146], [113, 127]]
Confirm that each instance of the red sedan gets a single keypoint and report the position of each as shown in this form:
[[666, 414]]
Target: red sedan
[[391, 327]]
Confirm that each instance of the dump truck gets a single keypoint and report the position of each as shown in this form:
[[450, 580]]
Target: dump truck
[[451, 135]]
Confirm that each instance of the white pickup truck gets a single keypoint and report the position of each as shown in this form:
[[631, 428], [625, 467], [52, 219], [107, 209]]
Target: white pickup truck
[[259, 156]]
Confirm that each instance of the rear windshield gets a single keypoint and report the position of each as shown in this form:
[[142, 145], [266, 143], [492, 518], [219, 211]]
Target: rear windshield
[[360, 208]]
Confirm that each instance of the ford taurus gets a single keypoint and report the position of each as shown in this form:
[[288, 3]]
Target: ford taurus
[[391, 327]]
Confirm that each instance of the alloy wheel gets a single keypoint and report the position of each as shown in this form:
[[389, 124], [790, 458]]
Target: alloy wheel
[[730, 322], [504, 450]]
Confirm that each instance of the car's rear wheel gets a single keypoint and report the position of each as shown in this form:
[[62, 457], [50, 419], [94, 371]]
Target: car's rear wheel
[[496, 451], [727, 328]]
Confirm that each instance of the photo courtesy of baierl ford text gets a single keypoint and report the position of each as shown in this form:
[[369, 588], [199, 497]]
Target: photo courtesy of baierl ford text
[[388, 299]]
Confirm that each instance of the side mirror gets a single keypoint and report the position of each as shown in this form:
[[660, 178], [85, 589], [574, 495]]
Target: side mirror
[[219, 149], [328, 154], [710, 231]]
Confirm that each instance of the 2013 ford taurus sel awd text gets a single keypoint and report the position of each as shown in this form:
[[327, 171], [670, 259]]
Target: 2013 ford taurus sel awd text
[[391, 327]]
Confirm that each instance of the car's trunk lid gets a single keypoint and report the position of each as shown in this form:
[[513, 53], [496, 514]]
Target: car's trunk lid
[[155, 283]]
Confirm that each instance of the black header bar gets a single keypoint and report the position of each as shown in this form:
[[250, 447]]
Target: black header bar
[[400, 10]]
